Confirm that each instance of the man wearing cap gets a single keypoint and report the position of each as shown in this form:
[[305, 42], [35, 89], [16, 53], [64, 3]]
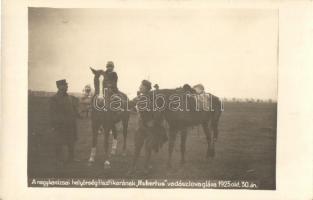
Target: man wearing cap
[[142, 95], [63, 115], [145, 87], [202, 98], [150, 130], [110, 77], [156, 87]]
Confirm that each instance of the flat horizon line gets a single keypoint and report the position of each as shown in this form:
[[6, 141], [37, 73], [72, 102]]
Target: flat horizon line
[[128, 94]]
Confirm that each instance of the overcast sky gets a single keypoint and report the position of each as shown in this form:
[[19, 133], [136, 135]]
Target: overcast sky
[[233, 53]]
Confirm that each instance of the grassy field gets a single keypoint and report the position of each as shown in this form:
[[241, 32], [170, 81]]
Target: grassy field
[[245, 150]]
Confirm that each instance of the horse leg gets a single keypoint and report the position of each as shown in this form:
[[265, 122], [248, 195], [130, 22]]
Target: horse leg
[[106, 148], [215, 131], [125, 126], [172, 138], [95, 128], [139, 141], [114, 142], [148, 152], [183, 146], [207, 132], [214, 135], [215, 120], [87, 112]]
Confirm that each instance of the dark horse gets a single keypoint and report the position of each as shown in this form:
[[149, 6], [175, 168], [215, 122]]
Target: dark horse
[[182, 108], [108, 108]]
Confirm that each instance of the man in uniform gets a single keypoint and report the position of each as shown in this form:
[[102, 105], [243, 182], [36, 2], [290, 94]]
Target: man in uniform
[[63, 115], [110, 77], [150, 130]]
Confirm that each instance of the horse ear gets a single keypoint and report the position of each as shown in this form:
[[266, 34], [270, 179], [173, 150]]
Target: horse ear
[[93, 70]]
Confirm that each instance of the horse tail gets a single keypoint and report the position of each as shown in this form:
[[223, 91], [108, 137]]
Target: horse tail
[[218, 108]]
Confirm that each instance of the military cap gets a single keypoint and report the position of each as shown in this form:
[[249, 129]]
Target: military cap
[[147, 84], [61, 82], [199, 86], [110, 64]]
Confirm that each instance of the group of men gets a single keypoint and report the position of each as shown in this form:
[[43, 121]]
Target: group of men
[[64, 112]]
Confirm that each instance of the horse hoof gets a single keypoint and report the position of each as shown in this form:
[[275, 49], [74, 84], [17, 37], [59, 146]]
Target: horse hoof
[[113, 152], [90, 163], [107, 165]]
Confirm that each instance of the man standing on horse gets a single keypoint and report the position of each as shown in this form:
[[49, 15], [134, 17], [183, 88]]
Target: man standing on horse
[[63, 115]]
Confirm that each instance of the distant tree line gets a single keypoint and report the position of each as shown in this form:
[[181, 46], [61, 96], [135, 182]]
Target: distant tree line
[[233, 99], [248, 100], [39, 93]]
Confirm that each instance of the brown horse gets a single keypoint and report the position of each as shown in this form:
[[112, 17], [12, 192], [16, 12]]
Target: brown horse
[[180, 109], [108, 108]]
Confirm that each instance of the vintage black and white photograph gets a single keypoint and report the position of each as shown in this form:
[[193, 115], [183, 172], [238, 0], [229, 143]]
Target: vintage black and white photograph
[[152, 98]]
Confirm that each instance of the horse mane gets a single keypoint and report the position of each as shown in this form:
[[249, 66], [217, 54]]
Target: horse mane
[[96, 84]]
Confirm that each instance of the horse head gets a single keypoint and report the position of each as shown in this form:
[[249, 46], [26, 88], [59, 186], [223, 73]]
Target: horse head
[[98, 81]]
